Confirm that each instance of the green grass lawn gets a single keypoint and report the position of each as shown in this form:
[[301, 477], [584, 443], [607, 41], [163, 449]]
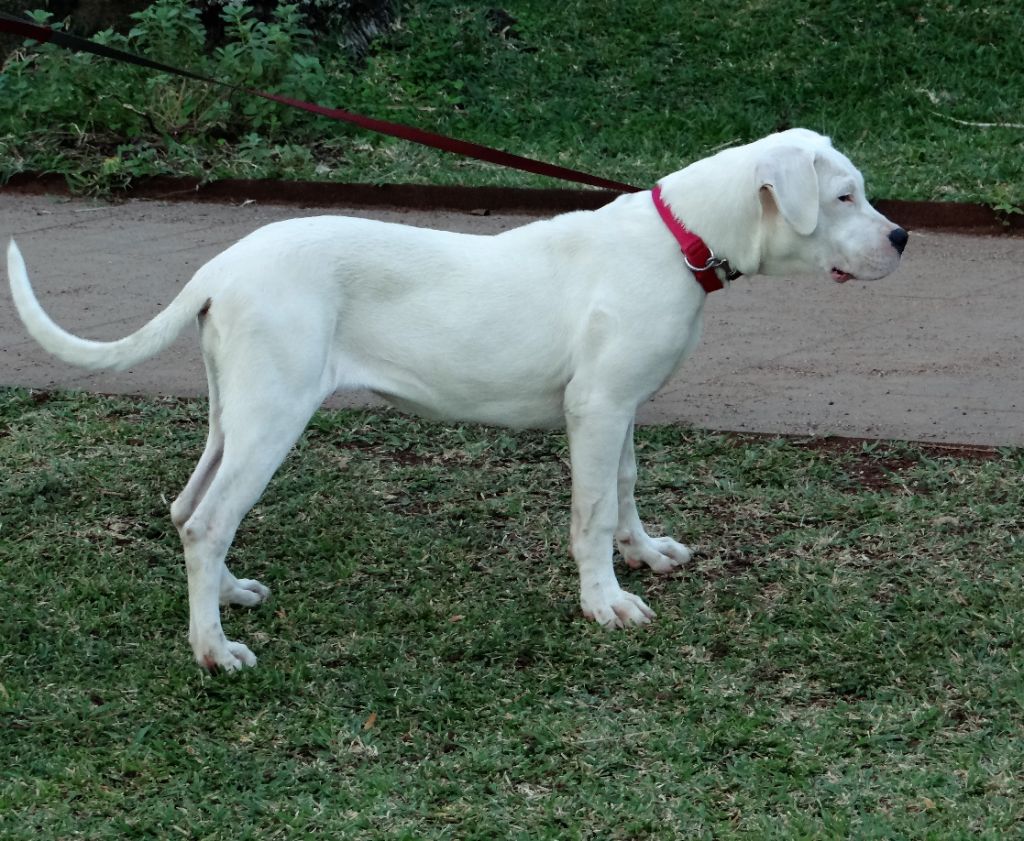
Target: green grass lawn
[[927, 96], [841, 660]]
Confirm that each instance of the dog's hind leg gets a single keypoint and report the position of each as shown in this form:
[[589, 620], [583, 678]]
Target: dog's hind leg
[[245, 591], [662, 554], [256, 441], [195, 489], [261, 400]]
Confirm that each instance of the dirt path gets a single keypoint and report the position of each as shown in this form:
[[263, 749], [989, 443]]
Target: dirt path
[[934, 353]]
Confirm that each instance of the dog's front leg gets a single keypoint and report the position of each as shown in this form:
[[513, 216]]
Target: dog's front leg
[[662, 554], [595, 444]]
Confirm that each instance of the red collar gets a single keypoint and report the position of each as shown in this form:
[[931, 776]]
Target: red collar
[[699, 259]]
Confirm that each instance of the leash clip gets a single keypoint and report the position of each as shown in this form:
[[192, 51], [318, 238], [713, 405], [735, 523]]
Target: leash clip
[[713, 262]]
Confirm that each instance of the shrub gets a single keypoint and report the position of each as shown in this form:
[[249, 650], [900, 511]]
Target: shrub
[[353, 23], [90, 104]]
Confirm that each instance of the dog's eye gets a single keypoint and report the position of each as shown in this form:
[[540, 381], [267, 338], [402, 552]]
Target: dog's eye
[[846, 197]]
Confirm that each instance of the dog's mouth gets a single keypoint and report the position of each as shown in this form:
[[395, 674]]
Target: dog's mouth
[[839, 276]]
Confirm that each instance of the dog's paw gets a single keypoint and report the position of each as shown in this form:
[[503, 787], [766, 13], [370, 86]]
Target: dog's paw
[[244, 591], [226, 656], [617, 609], [662, 554]]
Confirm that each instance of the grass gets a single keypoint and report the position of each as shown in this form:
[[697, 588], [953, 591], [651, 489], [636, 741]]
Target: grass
[[925, 96], [842, 659]]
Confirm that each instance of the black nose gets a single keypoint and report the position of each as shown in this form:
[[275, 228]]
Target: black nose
[[898, 237]]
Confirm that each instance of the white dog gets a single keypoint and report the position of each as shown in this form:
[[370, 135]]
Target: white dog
[[575, 320]]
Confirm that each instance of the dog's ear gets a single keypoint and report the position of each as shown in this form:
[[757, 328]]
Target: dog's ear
[[787, 173]]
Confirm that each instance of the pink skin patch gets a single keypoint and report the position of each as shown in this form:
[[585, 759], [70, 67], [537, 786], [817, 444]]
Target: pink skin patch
[[839, 276]]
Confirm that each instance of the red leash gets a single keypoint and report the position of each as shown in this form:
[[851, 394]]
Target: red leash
[[43, 34], [698, 257]]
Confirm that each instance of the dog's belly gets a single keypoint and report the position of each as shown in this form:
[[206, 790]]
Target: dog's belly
[[520, 413], [523, 398]]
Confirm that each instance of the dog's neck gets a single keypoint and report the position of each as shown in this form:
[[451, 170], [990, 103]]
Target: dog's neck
[[711, 272], [732, 230]]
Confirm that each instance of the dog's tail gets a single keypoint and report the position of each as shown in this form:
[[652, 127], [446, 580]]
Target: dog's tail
[[145, 342]]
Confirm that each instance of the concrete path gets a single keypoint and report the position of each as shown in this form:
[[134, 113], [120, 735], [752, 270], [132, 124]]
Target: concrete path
[[933, 353]]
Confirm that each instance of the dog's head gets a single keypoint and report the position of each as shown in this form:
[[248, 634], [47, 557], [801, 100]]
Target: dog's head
[[815, 212], [788, 203]]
